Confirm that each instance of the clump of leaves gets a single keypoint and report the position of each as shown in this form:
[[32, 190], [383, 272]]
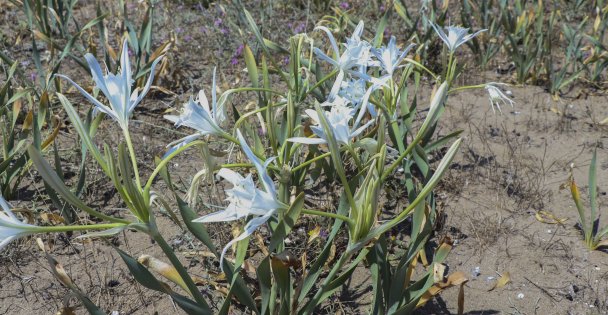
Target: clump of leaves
[[591, 228]]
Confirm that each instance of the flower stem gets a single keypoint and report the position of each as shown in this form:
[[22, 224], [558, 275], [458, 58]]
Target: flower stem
[[329, 215], [316, 158], [355, 157], [163, 163], [71, 228], [132, 154]]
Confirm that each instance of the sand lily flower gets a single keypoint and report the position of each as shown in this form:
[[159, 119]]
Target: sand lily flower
[[390, 56], [353, 60], [11, 228], [338, 119], [200, 117], [245, 199], [353, 90], [496, 96], [456, 35], [116, 87]]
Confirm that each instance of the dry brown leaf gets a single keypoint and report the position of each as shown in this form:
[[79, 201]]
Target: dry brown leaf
[[286, 258], [260, 242], [52, 218], [502, 281], [67, 311], [456, 279], [313, 234], [548, 218]]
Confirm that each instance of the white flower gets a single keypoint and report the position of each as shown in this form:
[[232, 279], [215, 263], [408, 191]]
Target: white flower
[[116, 87], [245, 199], [456, 35], [354, 60], [198, 116], [353, 90], [11, 228], [390, 57], [496, 96], [338, 119]]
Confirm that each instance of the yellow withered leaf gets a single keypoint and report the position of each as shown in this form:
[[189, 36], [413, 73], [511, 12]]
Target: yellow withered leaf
[[67, 311], [52, 218], [29, 120], [548, 217], [502, 281], [313, 234], [456, 279], [286, 258]]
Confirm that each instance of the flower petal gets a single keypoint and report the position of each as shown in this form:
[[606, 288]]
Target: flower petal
[[332, 40], [257, 162], [305, 140], [251, 226], [103, 108], [147, 86]]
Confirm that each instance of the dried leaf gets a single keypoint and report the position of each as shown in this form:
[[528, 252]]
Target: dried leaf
[[286, 258], [52, 218], [548, 218], [502, 281], [29, 119], [260, 242], [456, 279], [313, 234]]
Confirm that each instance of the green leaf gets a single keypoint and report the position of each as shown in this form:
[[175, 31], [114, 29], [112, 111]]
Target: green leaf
[[287, 223], [593, 195], [316, 269], [197, 229], [252, 68], [48, 174], [83, 132]]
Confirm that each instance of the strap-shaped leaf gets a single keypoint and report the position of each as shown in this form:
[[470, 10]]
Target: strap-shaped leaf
[[83, 132], [48, 174], [198, 230], [287, 223]]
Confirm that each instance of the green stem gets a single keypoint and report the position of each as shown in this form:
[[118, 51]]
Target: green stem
[[183, 273], [467, 87], [419, 65], [449, 74], [325, 78], [402, 156], [248, 165], [316, 158], [355, 157], [329, 215], [71, 228], [163, 163], [132, 154]]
